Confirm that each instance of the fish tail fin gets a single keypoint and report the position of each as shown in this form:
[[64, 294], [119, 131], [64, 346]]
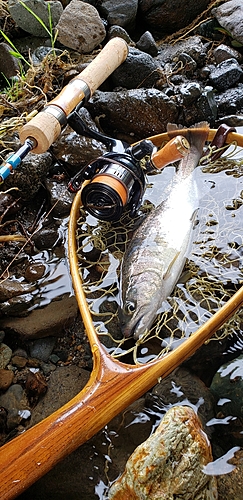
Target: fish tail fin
[[196, 135]]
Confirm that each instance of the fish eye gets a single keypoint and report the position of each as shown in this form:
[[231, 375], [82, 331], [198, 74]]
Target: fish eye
[[130, 307]]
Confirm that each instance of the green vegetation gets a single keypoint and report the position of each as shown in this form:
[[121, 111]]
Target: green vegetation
[[51, 31]]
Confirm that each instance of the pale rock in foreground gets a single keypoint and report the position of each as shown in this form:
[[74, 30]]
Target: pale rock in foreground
[[169, 464]]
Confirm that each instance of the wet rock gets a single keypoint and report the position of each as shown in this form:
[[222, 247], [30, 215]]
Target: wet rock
[[65, 382], [202, 108], [192, 46], [77, 150], [34, 271], [170, 462], [12, 288], [222, 52], [80, 27], [25, 20], [180, 386], [120, 13], [17, 306], [189, 65], [138, 70], [231, 120], [9, 65], [6, 379], [166, 16], [138, 113], [147, 43], [226, 74], [189, 92], [14, 400], [8, 204], [230, 16], [60, 197], [42, 348], [227, 387], [231, 485], [28, 179], [116, 30], [46, 238], [41, 52], [231, 101], [46, 321], [5, 355]]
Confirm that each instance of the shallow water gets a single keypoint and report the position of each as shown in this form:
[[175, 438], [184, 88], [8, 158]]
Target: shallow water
[[213, 274], [216, 255]]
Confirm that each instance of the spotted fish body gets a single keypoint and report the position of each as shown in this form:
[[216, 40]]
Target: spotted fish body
[[158, 249]]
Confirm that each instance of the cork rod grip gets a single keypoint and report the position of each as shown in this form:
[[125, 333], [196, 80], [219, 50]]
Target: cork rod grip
[[45, 127]]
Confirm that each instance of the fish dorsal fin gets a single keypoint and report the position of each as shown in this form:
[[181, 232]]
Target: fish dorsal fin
[[175, 128], [196, 135]]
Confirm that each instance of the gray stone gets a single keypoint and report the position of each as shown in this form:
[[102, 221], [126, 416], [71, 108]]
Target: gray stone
[[168, 16], [226, 74], [147, 43], [80, 27], [76, 149], [138, 70], [29, 177], [27, 21], [192, 46], [189, 92], [136, 113], [60, 197], [10, 66], [231, 101], [223, 52], [230, 16], [42, 348], [14, 400], [116, 30], [120, 13]]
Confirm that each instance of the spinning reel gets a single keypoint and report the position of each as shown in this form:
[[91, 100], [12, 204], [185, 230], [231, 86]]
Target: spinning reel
[[117, 179]]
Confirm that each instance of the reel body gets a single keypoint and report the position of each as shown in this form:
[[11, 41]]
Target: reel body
[[117, 179]]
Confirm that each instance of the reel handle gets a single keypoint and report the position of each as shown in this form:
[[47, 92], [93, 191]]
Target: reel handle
[[46, 126]]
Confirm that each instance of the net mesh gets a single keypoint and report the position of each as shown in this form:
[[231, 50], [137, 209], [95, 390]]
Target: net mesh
[[212, 274]]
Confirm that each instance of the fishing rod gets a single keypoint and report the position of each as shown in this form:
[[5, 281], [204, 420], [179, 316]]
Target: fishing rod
[[42, 130]]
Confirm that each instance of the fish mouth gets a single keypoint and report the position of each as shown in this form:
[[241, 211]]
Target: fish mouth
[[136, 330]]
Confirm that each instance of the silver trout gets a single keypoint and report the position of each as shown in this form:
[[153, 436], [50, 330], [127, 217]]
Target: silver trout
[[156, 254]]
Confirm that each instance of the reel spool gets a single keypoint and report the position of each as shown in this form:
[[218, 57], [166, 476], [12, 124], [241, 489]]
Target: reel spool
[[120, 181]]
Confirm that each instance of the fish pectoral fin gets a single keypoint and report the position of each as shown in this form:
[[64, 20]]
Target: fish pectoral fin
[[194, 218], [168, 272]]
